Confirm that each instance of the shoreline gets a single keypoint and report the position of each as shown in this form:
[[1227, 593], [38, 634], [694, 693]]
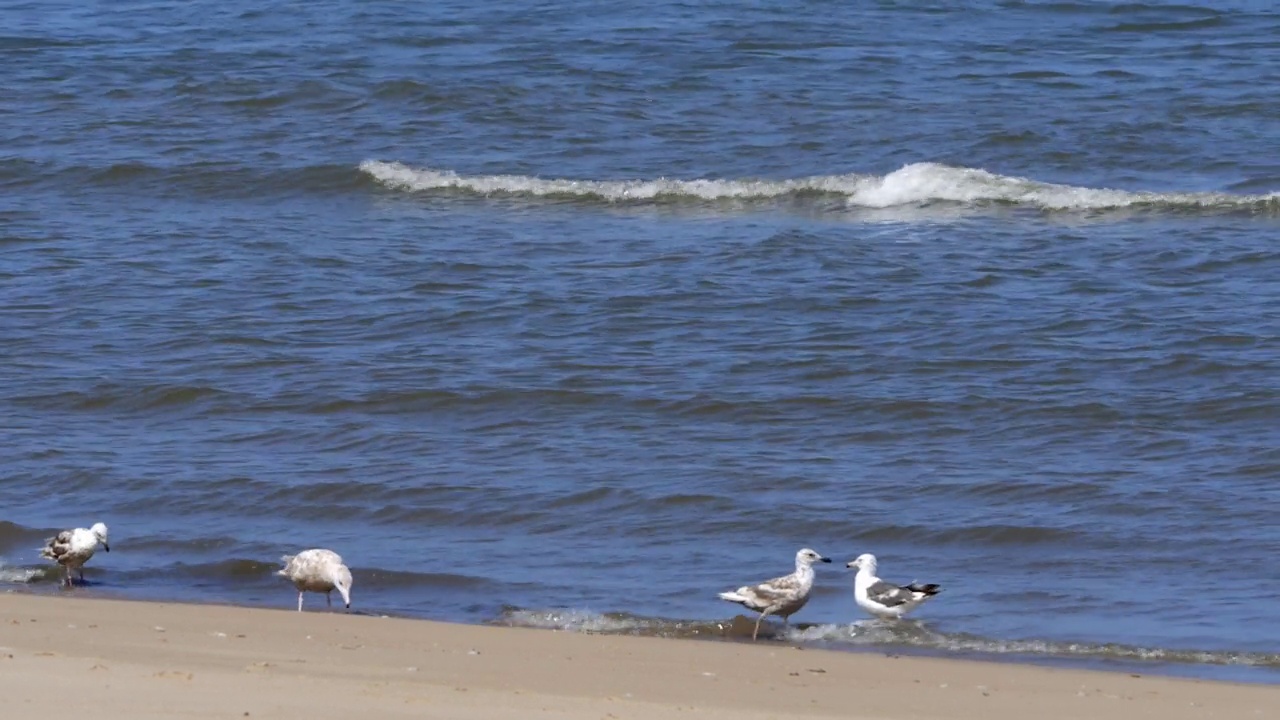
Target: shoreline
[[155, 659], [738, 630]]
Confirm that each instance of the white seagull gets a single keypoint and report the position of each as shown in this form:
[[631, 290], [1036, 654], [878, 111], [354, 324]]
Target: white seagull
[[318, 570], [882, 599], [73, 548], [782, 596]]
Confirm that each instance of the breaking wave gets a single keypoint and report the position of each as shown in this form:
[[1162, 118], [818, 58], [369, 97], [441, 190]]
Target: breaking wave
[[14, 575], [916, 184], [870, 634]]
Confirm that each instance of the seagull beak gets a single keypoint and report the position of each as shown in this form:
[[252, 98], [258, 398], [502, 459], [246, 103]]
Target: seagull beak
[[851, 564], [106, 547], [826, 560]]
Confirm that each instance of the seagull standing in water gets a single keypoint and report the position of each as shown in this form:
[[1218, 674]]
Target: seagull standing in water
[[882, 599], [782, 596], [318, 570], [73, 548]]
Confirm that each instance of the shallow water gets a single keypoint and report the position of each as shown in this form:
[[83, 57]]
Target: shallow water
[[575, 316]]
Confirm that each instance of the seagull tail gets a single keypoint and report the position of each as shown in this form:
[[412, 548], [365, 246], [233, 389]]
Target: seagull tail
[[925, 589], [286, 559], [735, 596], [49, 549]]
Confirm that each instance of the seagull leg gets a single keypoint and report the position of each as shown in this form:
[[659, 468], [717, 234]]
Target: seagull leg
[[328, 598], [299, 601], [81, 574], [759, 620], [70, 579]]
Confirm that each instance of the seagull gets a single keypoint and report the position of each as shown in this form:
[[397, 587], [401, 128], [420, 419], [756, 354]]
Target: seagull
[[318, 570], [73, 548], [782, 596], [882, 599]]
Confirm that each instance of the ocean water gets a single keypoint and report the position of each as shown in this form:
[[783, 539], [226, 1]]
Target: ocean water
[[575, 314]]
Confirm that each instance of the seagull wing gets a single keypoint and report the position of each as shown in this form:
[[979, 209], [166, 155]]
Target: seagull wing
[[778, 590], [890, 595], [57, 546]]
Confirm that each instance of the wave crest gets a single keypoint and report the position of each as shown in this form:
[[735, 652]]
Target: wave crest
[[915, 184]]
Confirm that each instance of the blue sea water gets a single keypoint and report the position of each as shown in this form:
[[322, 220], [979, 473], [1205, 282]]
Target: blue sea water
[[576, 314]]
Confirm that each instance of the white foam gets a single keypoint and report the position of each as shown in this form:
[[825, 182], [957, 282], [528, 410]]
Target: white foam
[[403, 177], [573, 620], [880, 634], [19, 574], [912, 185], [874, 633], [931, 182]]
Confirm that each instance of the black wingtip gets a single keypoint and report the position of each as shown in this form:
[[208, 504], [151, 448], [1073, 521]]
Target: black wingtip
[[929, 589]]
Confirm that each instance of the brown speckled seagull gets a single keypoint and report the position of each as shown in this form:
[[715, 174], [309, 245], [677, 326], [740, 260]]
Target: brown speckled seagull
[[73, 548], [318, 570], [782, 596]]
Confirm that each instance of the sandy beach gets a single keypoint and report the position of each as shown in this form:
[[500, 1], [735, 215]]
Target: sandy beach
[[64, 657]]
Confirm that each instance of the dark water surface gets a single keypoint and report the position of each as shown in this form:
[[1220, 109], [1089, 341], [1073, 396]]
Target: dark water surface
[[575, 314]]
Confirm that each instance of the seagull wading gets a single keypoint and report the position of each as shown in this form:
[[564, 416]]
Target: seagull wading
[[781, 596], [883, 599]]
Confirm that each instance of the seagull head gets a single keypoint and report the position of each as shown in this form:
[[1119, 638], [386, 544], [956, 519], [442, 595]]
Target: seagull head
[[99, 531], [808, 557], [342, 583], [865, 561]]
